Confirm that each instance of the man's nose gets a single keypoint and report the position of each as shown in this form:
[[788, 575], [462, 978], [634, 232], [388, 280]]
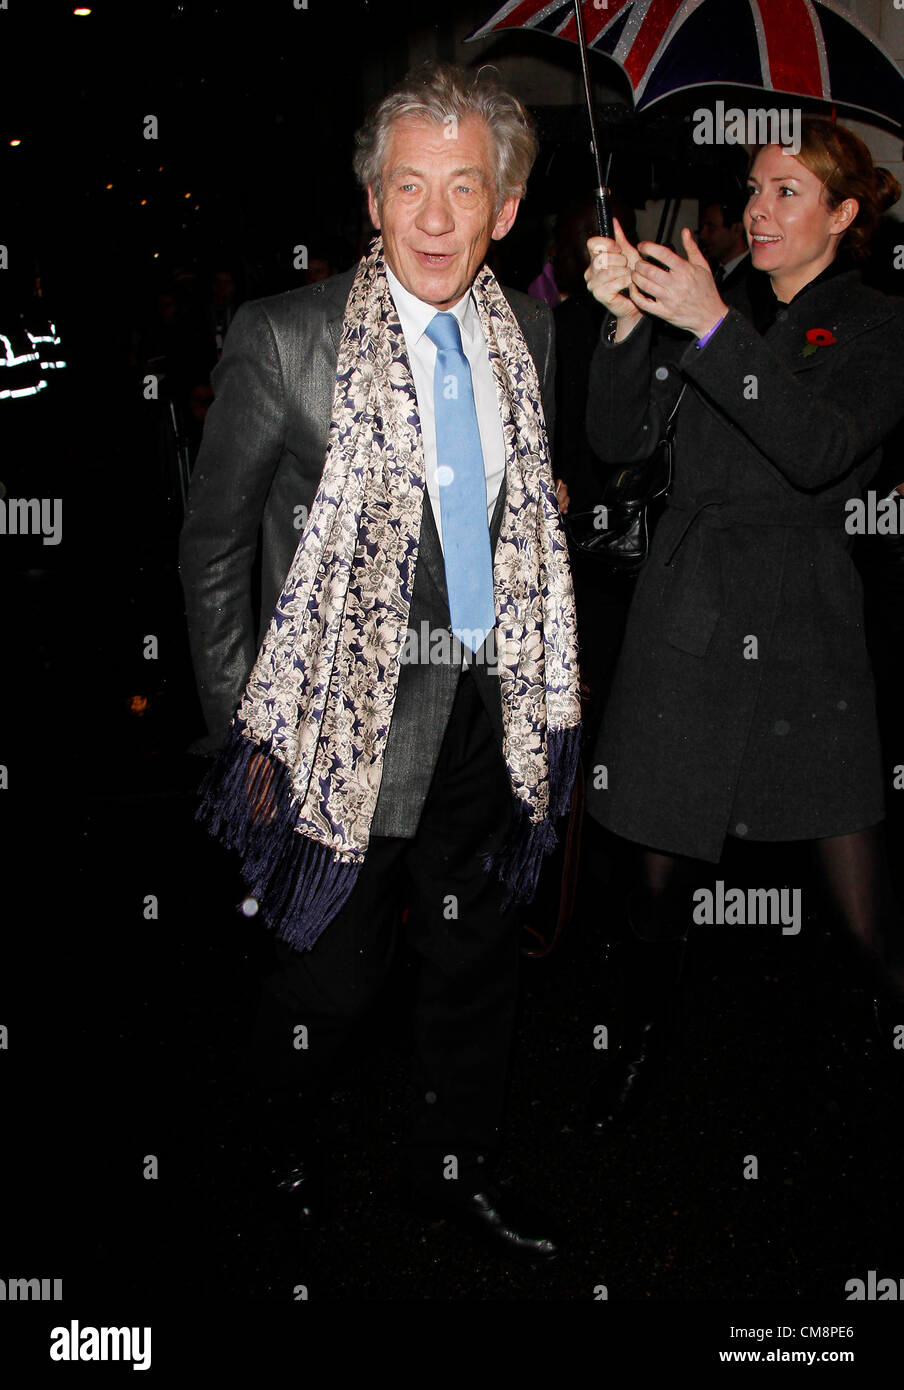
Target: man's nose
[[435, 215]]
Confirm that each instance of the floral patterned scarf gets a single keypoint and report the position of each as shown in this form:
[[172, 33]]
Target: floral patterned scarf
[[295, 786]]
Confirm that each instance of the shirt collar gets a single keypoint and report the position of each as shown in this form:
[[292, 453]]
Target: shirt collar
[[731, 265], [415, 315]]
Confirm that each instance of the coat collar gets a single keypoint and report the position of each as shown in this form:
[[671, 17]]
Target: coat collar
[[839, 303]]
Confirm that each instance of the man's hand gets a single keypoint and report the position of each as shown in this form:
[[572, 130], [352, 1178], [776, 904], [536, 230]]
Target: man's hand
[[685, 294], [562, 495], [609, 272]]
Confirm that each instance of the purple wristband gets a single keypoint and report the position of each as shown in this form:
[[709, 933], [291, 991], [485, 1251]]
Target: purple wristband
[[701, 342]]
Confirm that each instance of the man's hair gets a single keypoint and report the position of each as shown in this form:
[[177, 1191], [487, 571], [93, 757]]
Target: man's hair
[[446, 95]]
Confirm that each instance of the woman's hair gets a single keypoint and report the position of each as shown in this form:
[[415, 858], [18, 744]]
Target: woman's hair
[[845, 168], [446, 94]]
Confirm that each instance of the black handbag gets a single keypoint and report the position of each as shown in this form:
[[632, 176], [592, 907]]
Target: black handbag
[[617, 530]]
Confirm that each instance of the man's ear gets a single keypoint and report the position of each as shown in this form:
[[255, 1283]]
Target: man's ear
[[505, 217], [372, 207]]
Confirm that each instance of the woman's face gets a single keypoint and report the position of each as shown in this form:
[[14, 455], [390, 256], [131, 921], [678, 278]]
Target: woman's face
[[788, 222]]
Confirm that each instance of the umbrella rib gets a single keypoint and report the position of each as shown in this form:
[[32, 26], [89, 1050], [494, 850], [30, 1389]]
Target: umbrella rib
[[820, 48], [633, 26], [762, 45]]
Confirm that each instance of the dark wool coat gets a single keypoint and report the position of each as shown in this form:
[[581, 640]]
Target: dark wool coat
[[743, 702]]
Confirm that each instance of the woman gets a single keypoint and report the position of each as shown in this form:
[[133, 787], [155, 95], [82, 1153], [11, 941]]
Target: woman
[[743, 702]]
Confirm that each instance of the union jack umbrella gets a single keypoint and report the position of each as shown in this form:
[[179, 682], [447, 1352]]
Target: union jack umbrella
[[811, 49]]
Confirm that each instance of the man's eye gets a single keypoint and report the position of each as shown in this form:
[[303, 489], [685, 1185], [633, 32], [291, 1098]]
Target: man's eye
[[406, 187], [751, 191], [464, 188]]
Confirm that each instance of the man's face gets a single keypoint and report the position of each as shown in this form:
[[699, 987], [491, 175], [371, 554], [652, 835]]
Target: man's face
[[438, 209], [715, 238]]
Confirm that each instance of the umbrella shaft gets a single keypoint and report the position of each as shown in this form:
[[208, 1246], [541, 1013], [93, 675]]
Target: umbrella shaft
[[602, 184]]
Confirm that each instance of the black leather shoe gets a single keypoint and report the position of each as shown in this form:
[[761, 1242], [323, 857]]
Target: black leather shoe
[[493, 1215]]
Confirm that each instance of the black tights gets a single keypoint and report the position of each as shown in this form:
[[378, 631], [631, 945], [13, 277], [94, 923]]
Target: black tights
[[854, 869]]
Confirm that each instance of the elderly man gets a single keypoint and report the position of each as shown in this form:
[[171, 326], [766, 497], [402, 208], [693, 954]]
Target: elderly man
[[408, 731]]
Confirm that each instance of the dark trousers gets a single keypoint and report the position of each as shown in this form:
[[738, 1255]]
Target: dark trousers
[[467, 955]]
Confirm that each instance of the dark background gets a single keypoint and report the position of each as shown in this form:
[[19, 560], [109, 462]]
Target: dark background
[[124, 1033]]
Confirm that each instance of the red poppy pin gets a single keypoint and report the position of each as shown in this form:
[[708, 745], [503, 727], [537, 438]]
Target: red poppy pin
[[817, 338]]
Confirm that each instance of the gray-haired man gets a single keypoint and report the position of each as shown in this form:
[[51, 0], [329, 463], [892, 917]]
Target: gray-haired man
[[362, 774]]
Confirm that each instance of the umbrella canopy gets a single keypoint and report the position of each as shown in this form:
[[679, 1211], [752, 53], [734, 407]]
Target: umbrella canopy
[[810, 49]]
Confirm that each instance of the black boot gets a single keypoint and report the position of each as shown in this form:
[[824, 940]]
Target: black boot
[[647, 968]]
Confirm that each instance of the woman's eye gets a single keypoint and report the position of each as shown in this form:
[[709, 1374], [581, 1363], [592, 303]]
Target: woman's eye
[[464, 188], [785, 189]]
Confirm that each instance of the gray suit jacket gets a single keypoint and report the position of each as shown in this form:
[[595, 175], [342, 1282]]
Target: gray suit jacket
[[257, 474]]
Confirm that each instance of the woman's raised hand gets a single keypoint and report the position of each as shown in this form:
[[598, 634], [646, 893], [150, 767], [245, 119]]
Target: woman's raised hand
[[684, 294], [612, 261]]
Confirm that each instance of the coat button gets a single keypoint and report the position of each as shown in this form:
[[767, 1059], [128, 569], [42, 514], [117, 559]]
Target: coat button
[[661, 373], [782, 315]]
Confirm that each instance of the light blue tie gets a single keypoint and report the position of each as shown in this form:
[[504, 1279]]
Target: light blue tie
[[462, 488]]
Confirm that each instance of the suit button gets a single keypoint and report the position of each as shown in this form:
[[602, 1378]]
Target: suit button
[[661, 373], [782, 315]]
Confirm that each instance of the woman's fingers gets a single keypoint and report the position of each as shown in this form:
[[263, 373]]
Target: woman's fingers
[[645, 304], [630, 252], [651, 275], [606, 286], [604, 253], [665, 254]]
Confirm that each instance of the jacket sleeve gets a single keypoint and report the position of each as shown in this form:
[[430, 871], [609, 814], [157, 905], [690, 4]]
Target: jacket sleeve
[[816, 425], [628, 404], [243, 441]]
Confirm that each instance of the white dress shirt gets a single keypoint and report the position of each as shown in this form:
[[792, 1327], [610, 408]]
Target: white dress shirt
[[733, 264], [414, 316]]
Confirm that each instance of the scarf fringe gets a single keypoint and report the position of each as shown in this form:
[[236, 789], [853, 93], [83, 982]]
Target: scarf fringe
[[564, 752], [518, 863], [249, 807]]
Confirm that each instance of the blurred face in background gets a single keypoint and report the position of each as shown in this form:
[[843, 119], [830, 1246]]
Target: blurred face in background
[[719, 242]]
